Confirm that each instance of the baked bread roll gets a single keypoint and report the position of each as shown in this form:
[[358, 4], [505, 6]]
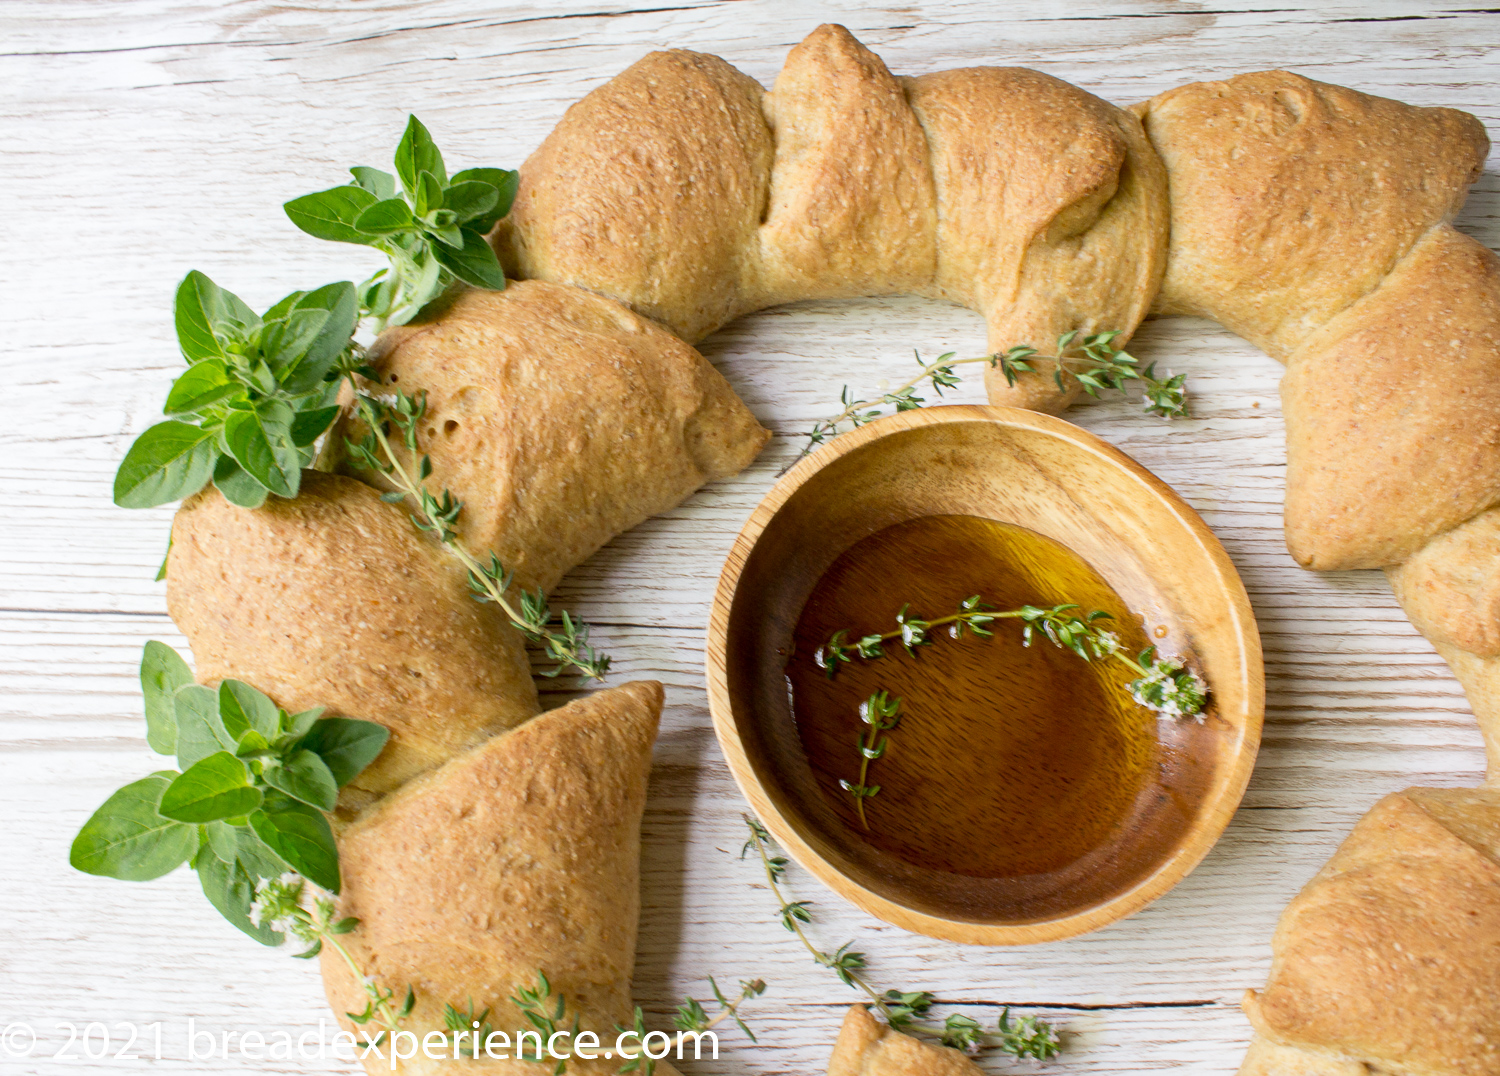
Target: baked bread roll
[[334, 599], [851, 208], [1390, 957], [650, 190], [1291, 198], [1052, 213], [520, 856], [559, 418], [868, 1047], [1012, 192]]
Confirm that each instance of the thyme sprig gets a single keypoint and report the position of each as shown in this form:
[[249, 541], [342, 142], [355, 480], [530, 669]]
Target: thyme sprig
[[1094, 360], [535, 1003], [880, 713], [1025, 1037], [691, 1015], [466, 1023], [565, 638], [1162, 684], [281, 905]]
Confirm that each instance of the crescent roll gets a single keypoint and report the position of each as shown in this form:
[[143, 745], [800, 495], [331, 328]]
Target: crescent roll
[[1390, 957], [559, 418], [334, 599], [522, 855]]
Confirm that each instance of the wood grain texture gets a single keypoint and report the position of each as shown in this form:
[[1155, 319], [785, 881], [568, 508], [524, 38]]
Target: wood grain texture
[[148, 138]]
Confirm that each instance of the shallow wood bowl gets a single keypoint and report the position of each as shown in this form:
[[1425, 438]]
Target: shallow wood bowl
[[1034, 471]]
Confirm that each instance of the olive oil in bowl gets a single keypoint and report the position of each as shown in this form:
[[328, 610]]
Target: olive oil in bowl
[[1009, 760]]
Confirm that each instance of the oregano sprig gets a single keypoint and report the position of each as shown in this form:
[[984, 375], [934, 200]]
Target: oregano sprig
[[256, 395], [880, 713], [903, 1011], [1162, 684], [260, 388], [248, 803], [565, 638], [431, 227], [1092, 359]]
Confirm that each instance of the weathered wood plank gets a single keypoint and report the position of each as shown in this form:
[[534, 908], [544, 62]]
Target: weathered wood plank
[[152, 137]]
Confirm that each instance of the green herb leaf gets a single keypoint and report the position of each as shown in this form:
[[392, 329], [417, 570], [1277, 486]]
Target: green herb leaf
[[212, 788], [470, 200], [204, 384], [331, 214], [285, 341], [429, 194], [417, 153], [242, 707], [128, 838], [200, 732], [199, 303], [219, 838], [251, 743], [300, 835], [308, 426], [162, 672], [381, 184], [345, 745], [318, 362], [306, 777], [235, 483], [387, 217], [168, 462], [296, 726], [261, 443], [255, 856], [230, 889], [504, 180], [475, 264]]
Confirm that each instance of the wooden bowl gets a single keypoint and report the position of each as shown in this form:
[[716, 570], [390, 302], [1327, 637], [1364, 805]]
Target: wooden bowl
[[1035, 471]]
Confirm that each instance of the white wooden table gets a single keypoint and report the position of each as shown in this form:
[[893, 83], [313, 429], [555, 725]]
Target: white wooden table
[[145, 139]]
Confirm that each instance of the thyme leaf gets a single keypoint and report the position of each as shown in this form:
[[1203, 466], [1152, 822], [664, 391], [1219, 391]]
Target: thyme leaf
[[1028, 1036], [1093, 360]]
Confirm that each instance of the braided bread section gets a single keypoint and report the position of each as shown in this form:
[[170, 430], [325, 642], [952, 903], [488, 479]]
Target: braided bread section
[[650, 190], [682, 190]]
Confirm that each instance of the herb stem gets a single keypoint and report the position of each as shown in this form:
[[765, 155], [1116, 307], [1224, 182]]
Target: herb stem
[[788, 916], [1029, 1036], [1093, 360], [436, 515]]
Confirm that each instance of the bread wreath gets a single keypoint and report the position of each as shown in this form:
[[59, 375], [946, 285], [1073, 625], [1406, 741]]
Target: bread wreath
[[1313, 220]]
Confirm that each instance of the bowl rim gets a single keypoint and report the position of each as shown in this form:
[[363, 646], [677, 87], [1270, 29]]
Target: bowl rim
[[1217, 810]]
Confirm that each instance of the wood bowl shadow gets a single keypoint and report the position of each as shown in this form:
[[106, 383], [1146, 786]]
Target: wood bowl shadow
[[1038, 472]]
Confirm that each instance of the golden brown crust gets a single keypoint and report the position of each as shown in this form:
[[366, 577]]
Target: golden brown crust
[[521, 856], [851, 208], [1267, 1058], [1097, 279], [334, 599], [1393, 411], [1450, 588], [867, 1047], [1292, 198], [560, 418], [1391, 955], [650, 190]]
